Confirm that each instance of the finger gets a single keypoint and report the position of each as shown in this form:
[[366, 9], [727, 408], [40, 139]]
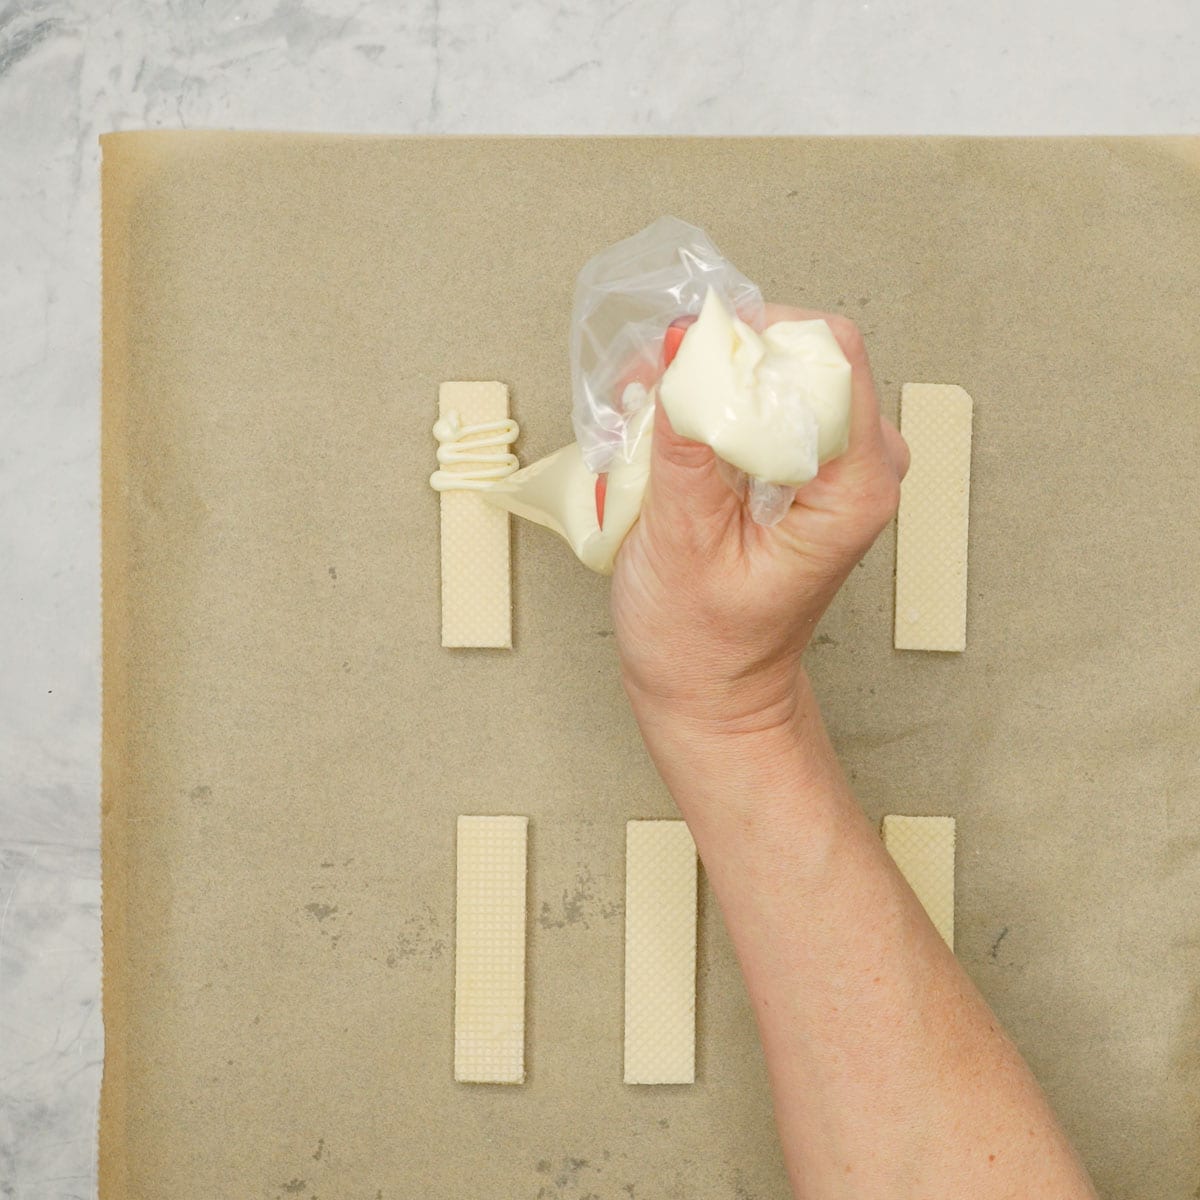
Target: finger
[[897, 448], [685, 479]]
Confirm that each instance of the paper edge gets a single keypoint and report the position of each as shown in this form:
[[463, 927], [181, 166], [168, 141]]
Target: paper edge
[[117, 188]]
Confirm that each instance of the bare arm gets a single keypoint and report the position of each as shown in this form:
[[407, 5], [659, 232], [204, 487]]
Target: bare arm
[[891, 1077]]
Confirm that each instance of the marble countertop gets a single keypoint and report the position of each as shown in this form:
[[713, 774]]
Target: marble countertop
[[73, 69]]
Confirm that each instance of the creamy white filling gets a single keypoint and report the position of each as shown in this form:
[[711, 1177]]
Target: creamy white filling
[[473, 457], [775, 405]]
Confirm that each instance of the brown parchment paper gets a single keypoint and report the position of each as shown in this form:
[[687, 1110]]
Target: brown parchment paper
[[286, 745]]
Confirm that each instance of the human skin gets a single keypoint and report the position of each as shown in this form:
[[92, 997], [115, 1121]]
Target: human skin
[[890, 1076]]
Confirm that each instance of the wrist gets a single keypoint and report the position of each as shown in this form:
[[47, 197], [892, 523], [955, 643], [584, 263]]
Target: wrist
[[698, 697], [709, 733], [750, 759]]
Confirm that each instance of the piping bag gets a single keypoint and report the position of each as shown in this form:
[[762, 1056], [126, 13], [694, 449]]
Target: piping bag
[[661, 317]]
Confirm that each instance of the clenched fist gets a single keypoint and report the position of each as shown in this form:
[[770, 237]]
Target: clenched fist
[[712, 612]]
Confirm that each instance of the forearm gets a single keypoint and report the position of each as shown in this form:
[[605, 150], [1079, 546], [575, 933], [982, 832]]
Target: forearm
[[891, 1077]]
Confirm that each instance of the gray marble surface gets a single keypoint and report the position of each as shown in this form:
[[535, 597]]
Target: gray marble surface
[[72, 69]]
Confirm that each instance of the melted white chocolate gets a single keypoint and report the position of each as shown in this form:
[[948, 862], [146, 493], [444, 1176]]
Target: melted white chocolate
[[476, 455], [559, 492], [775, 405]]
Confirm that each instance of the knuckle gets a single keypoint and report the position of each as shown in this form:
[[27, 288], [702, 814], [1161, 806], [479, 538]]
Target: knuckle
[[683, 453], [879, 498], [849, 336]]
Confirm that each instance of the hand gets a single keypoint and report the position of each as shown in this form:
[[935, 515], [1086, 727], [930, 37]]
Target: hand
[[713, 612]]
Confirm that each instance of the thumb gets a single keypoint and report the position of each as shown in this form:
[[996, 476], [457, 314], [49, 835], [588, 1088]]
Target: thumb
[[685, 476]]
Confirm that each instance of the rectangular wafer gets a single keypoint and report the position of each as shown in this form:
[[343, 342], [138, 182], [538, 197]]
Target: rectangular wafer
[[476, 573], [931, 526], [489, 950], [660, 953]]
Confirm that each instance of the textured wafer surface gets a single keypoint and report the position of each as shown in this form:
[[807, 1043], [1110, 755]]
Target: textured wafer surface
[[923, 849], [660, 953], [489, 962], [931, 528], [476, 573]]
